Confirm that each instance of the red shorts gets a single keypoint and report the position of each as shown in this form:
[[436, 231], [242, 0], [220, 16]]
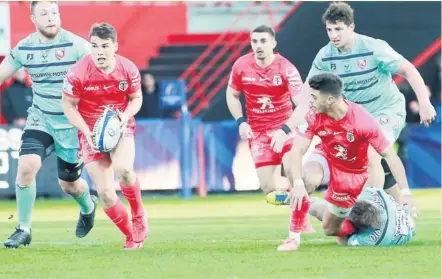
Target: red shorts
[[89, 155], [343, 187], [263, 154]]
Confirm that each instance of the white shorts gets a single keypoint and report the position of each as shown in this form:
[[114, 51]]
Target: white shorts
[[338, 211]]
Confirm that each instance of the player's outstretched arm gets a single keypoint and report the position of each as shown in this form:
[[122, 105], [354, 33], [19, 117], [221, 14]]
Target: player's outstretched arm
[[72, 114], [412, 75], [6, 70]]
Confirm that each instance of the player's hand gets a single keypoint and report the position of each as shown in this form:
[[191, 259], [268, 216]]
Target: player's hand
[[409, 202], [89, 137], [123, 119], [427, 114], [279, 137], [297, 195], [245, 132]]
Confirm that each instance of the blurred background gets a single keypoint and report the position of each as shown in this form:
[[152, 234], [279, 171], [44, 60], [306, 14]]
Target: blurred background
[[186, 50]]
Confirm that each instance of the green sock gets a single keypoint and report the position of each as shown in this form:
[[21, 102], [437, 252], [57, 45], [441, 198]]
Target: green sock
[[85, 201], [25, 196]]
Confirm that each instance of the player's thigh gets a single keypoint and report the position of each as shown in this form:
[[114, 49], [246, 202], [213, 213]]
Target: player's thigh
[[67, 145], [333, 218], [123, 157], [266, 176], [36, 145], [102, 175], [315, 170]]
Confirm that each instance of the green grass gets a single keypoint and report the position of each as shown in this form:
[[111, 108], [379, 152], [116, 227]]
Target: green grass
[[218, 237]]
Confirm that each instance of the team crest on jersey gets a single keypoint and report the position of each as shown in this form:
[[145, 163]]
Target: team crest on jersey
[[44, 56], [277, 80], [383, 119], [59, 54], [362, 63], [123, 85], [350, 136]]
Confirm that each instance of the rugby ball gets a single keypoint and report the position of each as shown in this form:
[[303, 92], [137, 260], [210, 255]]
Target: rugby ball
[[107, 131], [278, 198]]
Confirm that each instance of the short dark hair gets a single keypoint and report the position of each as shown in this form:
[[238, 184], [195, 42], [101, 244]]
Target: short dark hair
[[339, 11], [365, 215], [327, 83], [34, 3], [264, 29], [103, 31]]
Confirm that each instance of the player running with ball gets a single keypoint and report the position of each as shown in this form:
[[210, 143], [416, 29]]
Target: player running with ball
[[104, 79], [346, 130], [269, 83]]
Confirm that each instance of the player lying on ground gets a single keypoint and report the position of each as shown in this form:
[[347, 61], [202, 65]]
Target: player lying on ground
[[377, 218], [47, 54], [346, 129], [268, 82], [96, 81], [366, 65]]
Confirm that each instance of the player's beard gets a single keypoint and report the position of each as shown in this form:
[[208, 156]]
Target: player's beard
[[47, 34]]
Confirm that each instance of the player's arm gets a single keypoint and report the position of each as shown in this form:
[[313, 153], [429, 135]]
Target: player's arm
[[302, 100], [391, 61], [71, 98], [233, 102], [381, 144], [412, 75], [135, 102], [9, 66]]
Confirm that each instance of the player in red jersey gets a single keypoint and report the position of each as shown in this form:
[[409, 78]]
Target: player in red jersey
[[269, 82], [346, 130], [106, 79]]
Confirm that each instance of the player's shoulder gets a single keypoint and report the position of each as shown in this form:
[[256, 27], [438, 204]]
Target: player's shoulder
[[367, 43], [126, 66], [82, 66], [29, 41], [244, 61]]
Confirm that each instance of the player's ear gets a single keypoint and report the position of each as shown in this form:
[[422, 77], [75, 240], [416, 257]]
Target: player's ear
[[274, 43], [116, 46], [352, 27], [32, 18]]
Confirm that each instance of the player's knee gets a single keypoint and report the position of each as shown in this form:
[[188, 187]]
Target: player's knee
[[313, 175], [108, 196], [74, 188], [125, 175], [267, 187], [329, 229], [28, 167]]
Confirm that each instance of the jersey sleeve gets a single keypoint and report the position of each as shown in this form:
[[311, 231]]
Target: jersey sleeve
[[360, 239], [235, 78], [388, 59], [317, 65], [293, 79], [307, 128], [134, 78], [374, 134], [72, 85], [14, 58]]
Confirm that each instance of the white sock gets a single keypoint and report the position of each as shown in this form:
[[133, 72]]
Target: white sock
[[295, 236]]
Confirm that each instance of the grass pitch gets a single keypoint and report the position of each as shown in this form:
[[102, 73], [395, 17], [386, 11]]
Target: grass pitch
[[229, 237]]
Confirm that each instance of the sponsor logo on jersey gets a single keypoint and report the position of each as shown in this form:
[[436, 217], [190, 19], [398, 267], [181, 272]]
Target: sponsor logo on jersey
[[266, 102], [92, 88], [340, 197]]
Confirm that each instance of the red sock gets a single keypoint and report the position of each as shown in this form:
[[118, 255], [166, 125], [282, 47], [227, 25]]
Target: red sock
[[118, 214], [133, 196], [347, 228], [297, 221]]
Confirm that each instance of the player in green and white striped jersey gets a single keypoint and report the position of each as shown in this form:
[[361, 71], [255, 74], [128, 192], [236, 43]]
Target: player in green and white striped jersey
[[48, 54], [366, 65]]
